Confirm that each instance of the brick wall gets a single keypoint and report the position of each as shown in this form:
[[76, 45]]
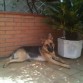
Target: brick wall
[[22, 29]]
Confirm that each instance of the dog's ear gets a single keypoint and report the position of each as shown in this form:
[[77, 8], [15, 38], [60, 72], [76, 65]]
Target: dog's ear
[[50, 36]]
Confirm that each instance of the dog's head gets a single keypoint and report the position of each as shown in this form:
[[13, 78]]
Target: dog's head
[[48, 44]]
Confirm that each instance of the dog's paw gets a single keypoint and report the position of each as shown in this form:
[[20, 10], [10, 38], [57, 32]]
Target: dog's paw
[[62, 61], [66, 66], [29, 60], [4, 66]]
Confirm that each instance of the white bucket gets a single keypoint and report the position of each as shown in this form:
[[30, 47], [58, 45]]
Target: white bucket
[[69, 49]]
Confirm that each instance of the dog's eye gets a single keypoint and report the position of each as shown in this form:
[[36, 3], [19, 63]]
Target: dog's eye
[[46, 45], [50, 44]]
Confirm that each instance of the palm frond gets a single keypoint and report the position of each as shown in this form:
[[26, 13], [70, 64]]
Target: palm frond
[[67, 14]]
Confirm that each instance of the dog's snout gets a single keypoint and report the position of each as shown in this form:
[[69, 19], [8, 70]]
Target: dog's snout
[[50, 48]]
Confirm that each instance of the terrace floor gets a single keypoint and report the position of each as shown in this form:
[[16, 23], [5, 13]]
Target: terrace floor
[[42, 72]]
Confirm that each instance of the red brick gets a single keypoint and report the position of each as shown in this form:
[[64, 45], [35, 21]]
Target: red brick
[[12, 32], [6, 19], [26, 28], [39, 19], [9, 44], [2, 15], [41, 24], [2, 32], [11, 48], [6, 28], [17, 28], [3, 28], [22, 29], [17, 16], [28, 17], [22, 36], [2, 24], [18, 20], [2, 40], [28, 24], [9, 28], [2, 36], [28, 20], [2, 45], [9, 19], [2, 19], [10, 24], [13, 40], [9, 36], [18, 24], [8, 16], [18, 43], [5, 54], [2, 49]]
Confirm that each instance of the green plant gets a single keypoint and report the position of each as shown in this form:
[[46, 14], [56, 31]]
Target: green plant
[[66, 15]]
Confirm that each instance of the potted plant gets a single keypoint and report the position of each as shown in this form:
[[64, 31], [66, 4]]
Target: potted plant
[[67, 15]]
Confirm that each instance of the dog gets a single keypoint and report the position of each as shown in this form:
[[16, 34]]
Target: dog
[[43, 53]]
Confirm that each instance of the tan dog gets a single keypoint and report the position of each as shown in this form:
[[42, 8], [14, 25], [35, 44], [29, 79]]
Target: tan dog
[[47, 51], [43, 53]]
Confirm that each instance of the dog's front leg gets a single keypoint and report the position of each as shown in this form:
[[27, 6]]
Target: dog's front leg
[[58, 63], [49, 59], [57, 58]]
